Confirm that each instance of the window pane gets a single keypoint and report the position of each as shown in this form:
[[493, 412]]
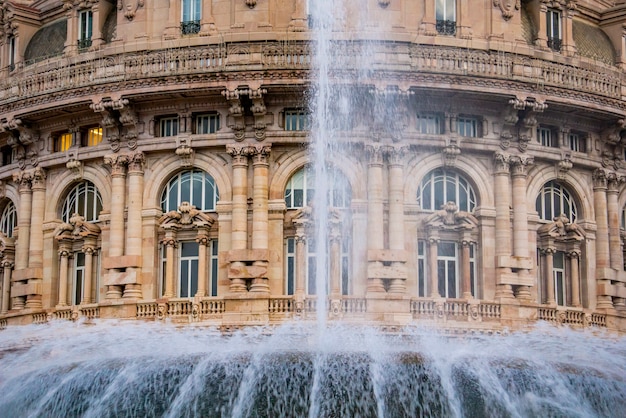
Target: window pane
[[184, 279], [446, 249], [189, 249], [451, 279]]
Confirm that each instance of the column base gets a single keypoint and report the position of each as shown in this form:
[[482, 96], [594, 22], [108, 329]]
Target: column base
[[605, 302], [33, 302], [114, 292], [238, 286], [523, 293], [132, 291], [260, 285], [397, 286], [504, 291], [18, 303]]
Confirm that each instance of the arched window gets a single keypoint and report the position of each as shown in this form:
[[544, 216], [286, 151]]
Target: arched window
[[440, 186], [83, 199], [194, 186], [554, 200], [8, 220], [300, 189]]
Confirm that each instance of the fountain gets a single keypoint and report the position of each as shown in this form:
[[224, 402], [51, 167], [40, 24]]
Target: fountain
[[123, 368]]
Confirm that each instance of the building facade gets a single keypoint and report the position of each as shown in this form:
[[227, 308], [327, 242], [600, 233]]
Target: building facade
[[156, 162]]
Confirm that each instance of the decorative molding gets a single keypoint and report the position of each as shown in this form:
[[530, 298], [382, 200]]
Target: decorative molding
[[250, 3], [129, 7]]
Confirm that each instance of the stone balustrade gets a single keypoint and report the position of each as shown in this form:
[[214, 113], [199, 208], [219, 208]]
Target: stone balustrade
[[63, 74], [283, 308]]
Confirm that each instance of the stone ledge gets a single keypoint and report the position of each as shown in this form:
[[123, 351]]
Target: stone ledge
[[121, 262]]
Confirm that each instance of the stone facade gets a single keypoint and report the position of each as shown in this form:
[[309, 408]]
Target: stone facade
[[154, 163]]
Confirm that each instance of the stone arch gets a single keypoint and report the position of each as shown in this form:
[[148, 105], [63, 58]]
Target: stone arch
[[66, 180], [162, 170], [577, 184], [289, 164], [475, 173]]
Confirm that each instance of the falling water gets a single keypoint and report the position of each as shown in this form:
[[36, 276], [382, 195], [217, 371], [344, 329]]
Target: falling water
[[121, 369]]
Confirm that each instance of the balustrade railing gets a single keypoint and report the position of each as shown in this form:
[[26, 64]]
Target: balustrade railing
[[212, 306], [572, 317], [147, 310], [58, 74], [281, 305]]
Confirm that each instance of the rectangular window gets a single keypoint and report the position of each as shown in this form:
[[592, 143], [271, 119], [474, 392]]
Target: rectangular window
[[7, 155], [191, 15], [429, 124], [290, 266], [422, 280], [79, 277], [447, 271], [12, 53], [445, 15], [213, 263], [553, 27], [188, 269], [85, 27], [545, 137], [558, 273], [169, 126], [64, 142], [467, 127], [208, 123], [296, 120], [345, 266], [92, 137], [472, 261], [311, 262], [576, 142]]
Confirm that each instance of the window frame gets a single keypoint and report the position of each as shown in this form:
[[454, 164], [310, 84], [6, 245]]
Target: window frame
[[445, 17], [64, 141], [340, 198], [554, 23], [429, 124], [8, 219], [546, 137], [296, 120], [465, 122], [190, 19], [89, 214], [440, 175], [554, 189], [208, 203], [91, 136], [165, 129], [212, 123], [85, 28]]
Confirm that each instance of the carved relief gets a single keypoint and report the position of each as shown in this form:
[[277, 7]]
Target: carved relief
[[507, 7], [129, 7]]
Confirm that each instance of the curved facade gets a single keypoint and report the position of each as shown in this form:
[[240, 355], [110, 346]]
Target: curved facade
[[159, 170]]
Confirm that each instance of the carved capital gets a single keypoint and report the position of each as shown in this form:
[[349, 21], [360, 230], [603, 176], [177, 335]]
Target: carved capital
[[260, 154], [374, 154], [501, 163], [600, 179], [38, 179], [136, 162], [520, 164], [118, 163], [23, 180]]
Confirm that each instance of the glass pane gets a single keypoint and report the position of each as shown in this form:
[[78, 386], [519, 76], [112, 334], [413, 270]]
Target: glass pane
[[446, 249], [559, 260], [172, 203], [189, 249], [194, 277], [439, 195], [312, 268], [184, 279], [421, 278], [291, 275], [451, 279], [426, 197], [441, 277], [197, 192]]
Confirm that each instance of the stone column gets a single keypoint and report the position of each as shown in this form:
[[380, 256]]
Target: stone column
[[615, 241], [466, 282], [300, 262], [96, 33], [35, 251], [64, 253], [503, 224], [602, 236], [433, 269], [134, 229], [71, 38], [171, 243], [7, 269], [520, 218], [375, 230], [549, 275], [575, 277], [118, 165], [260, 213], [542, 37], [396, 217], [203, 273], [239, 229], [335, 258], [24, 219], [90, 251]]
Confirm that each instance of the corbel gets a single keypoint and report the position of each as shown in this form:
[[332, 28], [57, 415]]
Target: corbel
[[235, 119], [259, 111]]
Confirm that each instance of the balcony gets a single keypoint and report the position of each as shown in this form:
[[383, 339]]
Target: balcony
[[555, 44], [190, 27], [84, 44], [446, 27]]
